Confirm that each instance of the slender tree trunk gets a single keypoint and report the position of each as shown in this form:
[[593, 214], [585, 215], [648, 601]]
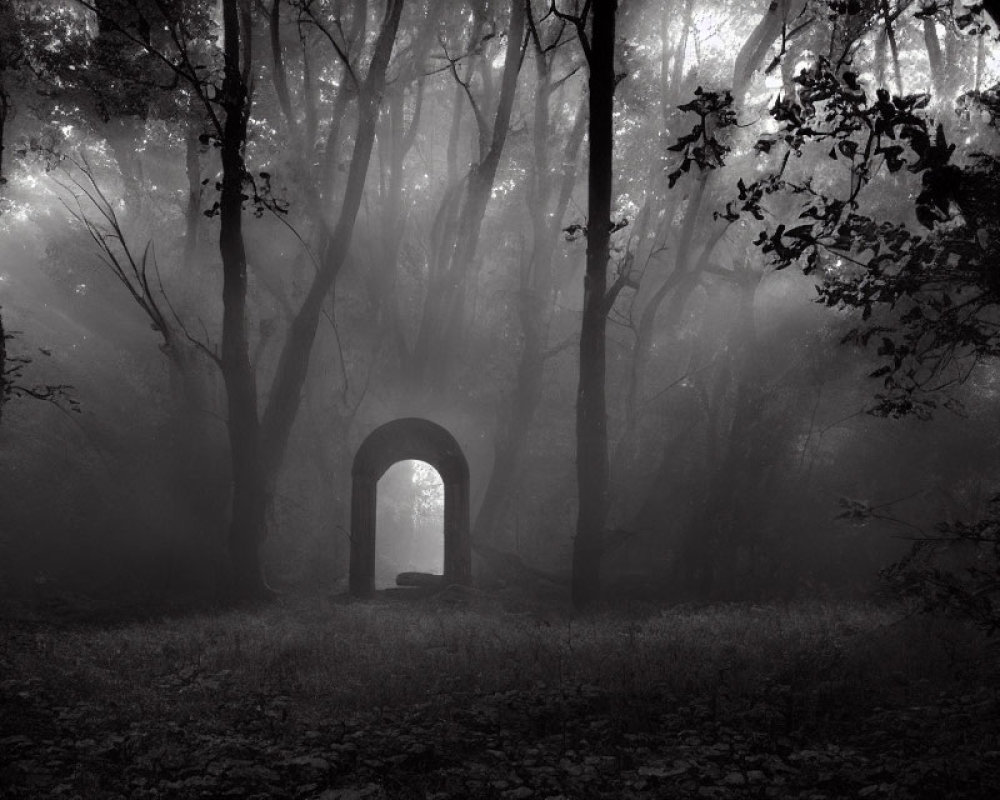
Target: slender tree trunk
[[246, 526], [890, 37], [881, 40], [8, 21], [677, 78], [980, 62], [934, 57], [346, 93], [395, 140], [4, 112], [280, 80], [331, 150], [953, 49], [257, 445], [3, 367], [683, 279], [293, 364], [659, 208], [591, 409], [754, 49], [535, 313], [441, 329], [647, 320]]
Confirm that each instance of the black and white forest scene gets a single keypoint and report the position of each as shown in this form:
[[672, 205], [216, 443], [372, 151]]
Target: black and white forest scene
[[499, 399]]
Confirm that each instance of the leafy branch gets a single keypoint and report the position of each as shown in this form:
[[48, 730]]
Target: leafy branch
[[701, 146], [935, 291]]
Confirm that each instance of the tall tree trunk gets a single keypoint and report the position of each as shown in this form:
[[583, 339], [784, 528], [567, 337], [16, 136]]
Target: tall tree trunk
[[4, 113], [591, 409], [659, 209], [258, 444], [280, 80], [246, 526], [293, 363], [395, 140], [443, 321], [8, 22], [934, 57], [980, 61], [3, 367], [673, 89], [534, 304], [890, 35], [677, 279], [683, 280], [754, 49]]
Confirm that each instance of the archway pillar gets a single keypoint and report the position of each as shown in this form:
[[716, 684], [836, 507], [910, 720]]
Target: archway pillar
[[363, 511], [457, 540]]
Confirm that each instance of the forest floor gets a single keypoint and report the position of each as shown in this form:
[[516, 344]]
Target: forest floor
[[447, 698]]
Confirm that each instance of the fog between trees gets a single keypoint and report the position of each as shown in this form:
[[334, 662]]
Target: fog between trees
[[239, 236]]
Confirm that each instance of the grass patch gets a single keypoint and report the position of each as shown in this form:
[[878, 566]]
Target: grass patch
[[358, 656], [310, 671]]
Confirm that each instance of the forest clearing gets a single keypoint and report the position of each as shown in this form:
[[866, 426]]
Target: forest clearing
[[454, 697]]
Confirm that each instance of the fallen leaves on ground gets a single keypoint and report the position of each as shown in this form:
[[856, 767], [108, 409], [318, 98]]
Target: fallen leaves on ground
[[546, 741]]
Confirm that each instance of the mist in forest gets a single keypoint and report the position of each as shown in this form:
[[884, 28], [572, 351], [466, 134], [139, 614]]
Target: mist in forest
[[410, 530], [513, 399], [238, 238]]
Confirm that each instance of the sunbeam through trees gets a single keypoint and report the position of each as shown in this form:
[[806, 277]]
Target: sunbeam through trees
[[385, 345]]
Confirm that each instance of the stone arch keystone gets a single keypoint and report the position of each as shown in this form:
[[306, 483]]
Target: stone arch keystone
[[401, 440]]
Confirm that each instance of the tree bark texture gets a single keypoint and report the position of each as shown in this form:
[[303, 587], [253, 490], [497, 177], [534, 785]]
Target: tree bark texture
[[3, 367], [4, 113], [8, 21], [246, 525], [591, 408]]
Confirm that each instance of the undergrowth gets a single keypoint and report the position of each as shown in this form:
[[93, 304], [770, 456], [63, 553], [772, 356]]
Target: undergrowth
[[455, 696], [327, 658]]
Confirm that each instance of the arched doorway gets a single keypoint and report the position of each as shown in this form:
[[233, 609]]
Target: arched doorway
[[409, 525], [399, 440]]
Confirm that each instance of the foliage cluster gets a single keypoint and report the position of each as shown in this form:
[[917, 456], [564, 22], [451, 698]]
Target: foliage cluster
[[940, 287], [929, 299]]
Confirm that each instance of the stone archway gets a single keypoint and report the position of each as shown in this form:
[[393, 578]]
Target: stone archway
[[401, 440]]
